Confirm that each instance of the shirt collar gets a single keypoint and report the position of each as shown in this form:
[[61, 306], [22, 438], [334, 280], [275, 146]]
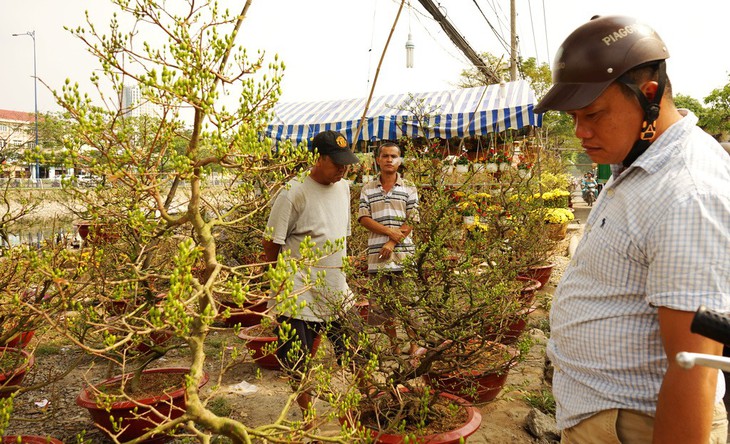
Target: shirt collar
[[398, 180], [662, 149]]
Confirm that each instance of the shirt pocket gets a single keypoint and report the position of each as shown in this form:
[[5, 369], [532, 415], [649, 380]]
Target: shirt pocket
[[610, 257]]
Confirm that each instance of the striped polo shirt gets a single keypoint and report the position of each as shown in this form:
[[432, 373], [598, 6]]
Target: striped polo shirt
[[391, 209]]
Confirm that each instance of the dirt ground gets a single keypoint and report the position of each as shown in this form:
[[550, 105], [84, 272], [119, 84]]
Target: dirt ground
[[503, 420]]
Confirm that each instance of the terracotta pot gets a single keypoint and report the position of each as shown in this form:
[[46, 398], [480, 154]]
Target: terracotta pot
[[118, 307], [527, 294], [97, 233], [260, 345], [557, 231], [363, 309], [248, 315], [458, 435], [514, 328], [30, 439], [14, 376], [474, 385], [20, 340], [156, 338], [135, 419], [541, 273]]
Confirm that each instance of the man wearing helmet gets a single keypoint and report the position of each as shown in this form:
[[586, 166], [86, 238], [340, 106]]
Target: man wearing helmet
[[656, 246]]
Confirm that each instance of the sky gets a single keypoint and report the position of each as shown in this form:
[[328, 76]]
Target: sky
[[332, 47]]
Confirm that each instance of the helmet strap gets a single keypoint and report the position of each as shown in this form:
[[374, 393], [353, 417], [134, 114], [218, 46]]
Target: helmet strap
[[651, 114]]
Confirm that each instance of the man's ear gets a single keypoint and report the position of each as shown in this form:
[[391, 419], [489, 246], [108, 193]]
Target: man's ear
[[649, 89]]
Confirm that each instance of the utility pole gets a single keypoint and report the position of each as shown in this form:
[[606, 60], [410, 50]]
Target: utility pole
[[513, 40], [459, 40], [31, 34]]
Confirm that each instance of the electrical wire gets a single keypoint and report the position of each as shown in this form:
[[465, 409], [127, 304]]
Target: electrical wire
[[544, 19], [503, 20], [370, 50], [534, 38], [501, 39], [457, 56]]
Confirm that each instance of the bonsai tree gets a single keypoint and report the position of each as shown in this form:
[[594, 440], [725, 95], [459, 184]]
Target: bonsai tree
[[459, 292], [166, 240]]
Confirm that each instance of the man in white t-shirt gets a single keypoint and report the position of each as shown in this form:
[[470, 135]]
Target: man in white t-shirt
[[317, 207]]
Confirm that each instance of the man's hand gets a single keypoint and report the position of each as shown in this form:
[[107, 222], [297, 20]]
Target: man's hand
[[396, 235], [405, 230], [387, 250]]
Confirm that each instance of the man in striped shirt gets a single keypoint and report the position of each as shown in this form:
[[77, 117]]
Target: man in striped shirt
[[387, 204]]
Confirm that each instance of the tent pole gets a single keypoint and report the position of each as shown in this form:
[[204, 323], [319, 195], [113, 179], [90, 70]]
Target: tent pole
[[375, 79]]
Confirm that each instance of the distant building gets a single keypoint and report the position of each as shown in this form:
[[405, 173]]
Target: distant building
[[134, 105], [17, 133]]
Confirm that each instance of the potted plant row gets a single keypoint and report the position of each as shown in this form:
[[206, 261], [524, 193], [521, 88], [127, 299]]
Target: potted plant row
[[459, 296]]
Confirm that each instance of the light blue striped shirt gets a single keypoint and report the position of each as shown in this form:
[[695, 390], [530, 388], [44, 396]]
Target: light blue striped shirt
[[659, 235]]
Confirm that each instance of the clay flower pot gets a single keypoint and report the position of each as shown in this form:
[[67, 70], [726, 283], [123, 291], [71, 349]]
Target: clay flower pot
[[455, 436], [514, 328], [30, 439], [541, 273], [363, 309], [136, 420], [154, 339], [480, 384], [248, 315], [557, 232], [15, 364], [97, 233], [20, 340], [527, 293], [260, 344]]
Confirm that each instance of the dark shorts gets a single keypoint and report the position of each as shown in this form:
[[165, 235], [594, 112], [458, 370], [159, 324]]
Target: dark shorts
[[307, 332]]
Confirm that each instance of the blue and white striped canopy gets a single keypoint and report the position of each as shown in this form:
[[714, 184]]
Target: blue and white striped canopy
[[461, 112]]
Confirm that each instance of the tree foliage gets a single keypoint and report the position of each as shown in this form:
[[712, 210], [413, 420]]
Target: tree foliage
[[168, 240], [716, 119]]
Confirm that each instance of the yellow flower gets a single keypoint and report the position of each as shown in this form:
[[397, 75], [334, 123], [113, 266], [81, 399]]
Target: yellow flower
[[558, 216]]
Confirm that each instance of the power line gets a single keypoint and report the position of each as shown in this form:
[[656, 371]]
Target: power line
[[501, 40], [459, 40], [448, 50], [544, 19], [502, 20], [534, 38]]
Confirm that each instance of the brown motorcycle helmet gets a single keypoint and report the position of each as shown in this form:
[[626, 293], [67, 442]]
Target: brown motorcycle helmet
[[595, 55]]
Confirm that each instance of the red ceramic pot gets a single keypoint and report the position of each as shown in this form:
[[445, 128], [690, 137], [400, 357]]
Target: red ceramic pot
[[541, 273], [156, 338], [97, 233], [21, 339], [249, 315], [260, 344], [363, 309], [475, 386], [517, 326], [527, 294], [135, 419], [10, 376], [455, 436], [30, 439]]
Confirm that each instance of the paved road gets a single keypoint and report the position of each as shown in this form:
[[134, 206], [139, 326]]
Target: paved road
[[580, 208]]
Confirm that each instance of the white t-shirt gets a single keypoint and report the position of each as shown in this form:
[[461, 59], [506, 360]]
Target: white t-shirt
[[321, 212]]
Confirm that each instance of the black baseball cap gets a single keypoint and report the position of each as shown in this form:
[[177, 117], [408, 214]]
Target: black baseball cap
[[333, 144]]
